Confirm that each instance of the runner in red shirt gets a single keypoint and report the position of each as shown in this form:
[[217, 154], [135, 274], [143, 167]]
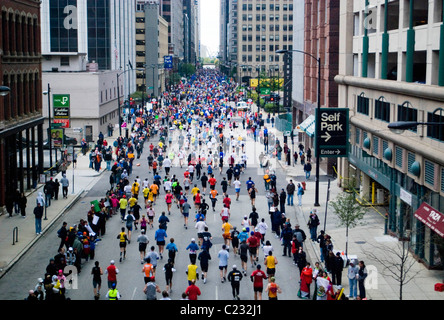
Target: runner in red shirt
[[257, 277], [253, 243], [212, 181], [227, 202], [192, 291]]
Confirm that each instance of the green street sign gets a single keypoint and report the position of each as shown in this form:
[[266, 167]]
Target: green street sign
[[61, 100], [61, 107], [265, 91]]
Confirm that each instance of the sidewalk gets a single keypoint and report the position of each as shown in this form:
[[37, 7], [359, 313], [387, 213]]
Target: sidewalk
[[361, 240], [17, 235]]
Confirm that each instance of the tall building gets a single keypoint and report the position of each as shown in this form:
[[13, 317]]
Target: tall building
[[257, 29], [88, 41], [223, 35], [390, 69], [78, 32], [172, 12], [151, 47], [21, 120], [191, 33], [317, 34]]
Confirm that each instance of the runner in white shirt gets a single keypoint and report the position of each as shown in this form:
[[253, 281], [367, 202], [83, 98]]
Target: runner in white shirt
[[262, 228], [237, 185], [181, 156]]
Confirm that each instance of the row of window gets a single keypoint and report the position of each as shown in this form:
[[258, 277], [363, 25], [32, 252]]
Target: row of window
[[261, 58], [263, 27], [271, 17], [263, 7], [19, 33], [405, 112], [404, 160], [272, 37]]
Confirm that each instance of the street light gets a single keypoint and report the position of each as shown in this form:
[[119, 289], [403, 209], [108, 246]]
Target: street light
[[4, 91], [317, 123], [400, 126], [48, 93], [118, 99]]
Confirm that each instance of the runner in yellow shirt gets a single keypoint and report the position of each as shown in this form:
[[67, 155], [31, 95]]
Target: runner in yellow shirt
[[194, 190], [192, 273], [270, 262], [122, 243], [146, 192], [226, 228], [123, 204]]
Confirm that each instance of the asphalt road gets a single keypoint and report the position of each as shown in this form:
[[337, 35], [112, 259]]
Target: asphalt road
[[24, 275]]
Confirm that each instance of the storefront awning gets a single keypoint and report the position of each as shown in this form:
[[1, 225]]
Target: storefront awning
[[431, 217], [308, 126]]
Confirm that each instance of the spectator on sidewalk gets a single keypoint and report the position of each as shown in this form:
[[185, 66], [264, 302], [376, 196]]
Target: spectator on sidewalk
[[352, 280], [38, 213], [300, 193], [290, 192], [65, 184], [313, 223], [22, 201], [307, 170]]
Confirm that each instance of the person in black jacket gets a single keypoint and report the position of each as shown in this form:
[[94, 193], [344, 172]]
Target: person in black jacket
[[63, 234], [282, 198], [38, 213], [235, 276], [287, 236], [313, 223], [337, 266], [322, 245]]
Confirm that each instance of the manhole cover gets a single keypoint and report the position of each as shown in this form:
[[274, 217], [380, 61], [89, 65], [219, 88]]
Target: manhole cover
[[360, 242]]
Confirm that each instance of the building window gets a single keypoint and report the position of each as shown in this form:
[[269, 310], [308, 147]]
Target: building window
[[64, 61], [363, 104], [435, 132], [406, 113], [358, 136], [442, 179], [382, 110]]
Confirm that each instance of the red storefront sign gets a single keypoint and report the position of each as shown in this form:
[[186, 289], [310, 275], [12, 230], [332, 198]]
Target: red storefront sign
[[431, 217]]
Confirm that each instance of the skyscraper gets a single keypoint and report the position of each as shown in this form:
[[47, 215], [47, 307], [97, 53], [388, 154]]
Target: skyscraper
[[75, 33], [255, 31]]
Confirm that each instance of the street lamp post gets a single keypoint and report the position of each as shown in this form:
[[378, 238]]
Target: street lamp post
[[400, 126], [118, 98], [48, 93], [317, 123]]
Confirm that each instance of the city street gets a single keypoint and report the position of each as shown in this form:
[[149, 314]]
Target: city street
[[130, 278]]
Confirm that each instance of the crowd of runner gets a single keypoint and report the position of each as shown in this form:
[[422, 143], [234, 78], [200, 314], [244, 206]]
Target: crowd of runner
[[207, 145]]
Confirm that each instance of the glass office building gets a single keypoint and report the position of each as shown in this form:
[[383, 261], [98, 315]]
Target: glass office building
[[63, 25], [99, 44]]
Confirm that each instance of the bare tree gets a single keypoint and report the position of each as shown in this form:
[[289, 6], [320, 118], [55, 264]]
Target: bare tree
[[397, 262]]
